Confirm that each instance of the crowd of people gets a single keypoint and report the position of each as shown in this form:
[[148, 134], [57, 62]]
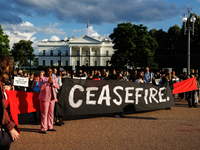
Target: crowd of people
[[47, 83], [138, 76]]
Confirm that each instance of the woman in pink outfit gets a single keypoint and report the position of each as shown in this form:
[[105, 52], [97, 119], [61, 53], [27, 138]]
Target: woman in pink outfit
[[47, 98]]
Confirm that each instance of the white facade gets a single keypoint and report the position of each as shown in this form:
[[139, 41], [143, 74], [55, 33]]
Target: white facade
[[80, 51]]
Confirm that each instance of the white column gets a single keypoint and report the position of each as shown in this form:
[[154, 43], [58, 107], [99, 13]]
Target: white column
[[100, 51], [80, 54], [70, 54], [90, 54]]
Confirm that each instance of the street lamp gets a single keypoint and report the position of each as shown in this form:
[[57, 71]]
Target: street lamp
[[188, 29]]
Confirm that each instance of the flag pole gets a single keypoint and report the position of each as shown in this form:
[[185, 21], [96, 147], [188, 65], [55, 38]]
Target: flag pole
[[87, 27]]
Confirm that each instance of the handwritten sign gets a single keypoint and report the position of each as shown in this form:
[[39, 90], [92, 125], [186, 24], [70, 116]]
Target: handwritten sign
[[19, 81]]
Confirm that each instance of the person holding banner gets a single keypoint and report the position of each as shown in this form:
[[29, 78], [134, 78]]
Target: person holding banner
[[168, 78], [7, 123], [47, 98]]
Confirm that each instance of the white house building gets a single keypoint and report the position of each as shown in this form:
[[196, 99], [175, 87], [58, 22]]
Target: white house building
[[74, 51]]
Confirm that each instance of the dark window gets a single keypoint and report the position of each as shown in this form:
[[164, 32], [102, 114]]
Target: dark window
[[107, 53], [43, 52], [66, 63], [66, 53], [51, 62], [51, 52], [43, 62]]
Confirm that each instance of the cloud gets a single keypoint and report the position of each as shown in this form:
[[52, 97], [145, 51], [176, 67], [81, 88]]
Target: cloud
[[98, 12], [27, 31], [91, 32], [54, 38]]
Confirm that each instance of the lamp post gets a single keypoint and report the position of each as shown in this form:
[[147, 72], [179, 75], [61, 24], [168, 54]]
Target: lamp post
[[188, 29]]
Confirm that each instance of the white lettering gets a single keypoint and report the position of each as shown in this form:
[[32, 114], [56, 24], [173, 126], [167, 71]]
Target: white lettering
[[128, 94], [107, 98], [137, 95], [120, 98], [152, 95], [71, 96], [145, 96], [160, 94], [88, 95]]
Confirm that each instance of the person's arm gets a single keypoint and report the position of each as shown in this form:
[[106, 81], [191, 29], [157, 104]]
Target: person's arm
[[55, 83], [42, 84]]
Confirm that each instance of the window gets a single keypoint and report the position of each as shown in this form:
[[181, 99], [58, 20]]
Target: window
[[59, 64], [43, 62], [107, 53], [43, 52], [66, 63], [66, 53], [86, 53], [95, 54], [95, 63], [59, 52], [77, 53], [51, 62], [51, 52], [107, 63]]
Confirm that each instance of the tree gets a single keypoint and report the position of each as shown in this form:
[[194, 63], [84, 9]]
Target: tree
[[134, 46], [168, 52], [4, 43], [36, 62], [23, 51]]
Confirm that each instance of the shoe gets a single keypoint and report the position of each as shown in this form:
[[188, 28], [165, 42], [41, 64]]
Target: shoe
[[195, 105], [51, 130], [43, 132], [190, 105], [117, 116], [58, 124], [122, 115], [62, 122], [168, 108]]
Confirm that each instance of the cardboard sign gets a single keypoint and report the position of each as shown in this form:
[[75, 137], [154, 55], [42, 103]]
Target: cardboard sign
[[21, 81]]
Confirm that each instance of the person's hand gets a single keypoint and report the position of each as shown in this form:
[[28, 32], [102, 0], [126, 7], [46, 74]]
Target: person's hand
[[14, 134], [50, 80]]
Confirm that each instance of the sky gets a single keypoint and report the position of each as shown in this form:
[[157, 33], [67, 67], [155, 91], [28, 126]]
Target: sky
[[51, 20]]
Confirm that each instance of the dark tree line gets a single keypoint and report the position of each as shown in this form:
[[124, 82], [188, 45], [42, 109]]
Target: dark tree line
[[157, 49]]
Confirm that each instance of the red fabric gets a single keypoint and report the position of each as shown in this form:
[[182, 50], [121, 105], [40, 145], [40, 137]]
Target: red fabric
[[22, 102], [185, 86]]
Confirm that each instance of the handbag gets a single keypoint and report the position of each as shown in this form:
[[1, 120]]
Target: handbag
[[5, 137]]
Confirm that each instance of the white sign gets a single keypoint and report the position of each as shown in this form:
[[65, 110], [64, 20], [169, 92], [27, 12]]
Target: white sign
[[19, 81]]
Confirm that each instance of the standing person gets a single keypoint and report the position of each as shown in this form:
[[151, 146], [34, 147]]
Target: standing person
[[134, 75], [30, 82], [47, 99], [58, 119], [140, 78], [7, 121], [168, 78], [91, 74], [148, 76]]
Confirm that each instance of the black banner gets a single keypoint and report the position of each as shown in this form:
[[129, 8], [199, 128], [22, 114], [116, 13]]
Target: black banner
[[83, 97]]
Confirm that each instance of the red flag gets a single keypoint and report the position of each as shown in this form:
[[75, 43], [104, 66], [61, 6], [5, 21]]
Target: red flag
[[22, 102], [185, 86]]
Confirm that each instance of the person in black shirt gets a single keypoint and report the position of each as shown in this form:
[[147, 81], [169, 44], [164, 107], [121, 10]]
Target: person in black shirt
[[91, 74]]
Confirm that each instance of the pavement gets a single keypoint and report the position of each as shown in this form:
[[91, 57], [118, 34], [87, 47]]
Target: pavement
[[175, 129]]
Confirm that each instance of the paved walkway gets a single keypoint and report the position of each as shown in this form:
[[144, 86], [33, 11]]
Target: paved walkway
[[175, 129]]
